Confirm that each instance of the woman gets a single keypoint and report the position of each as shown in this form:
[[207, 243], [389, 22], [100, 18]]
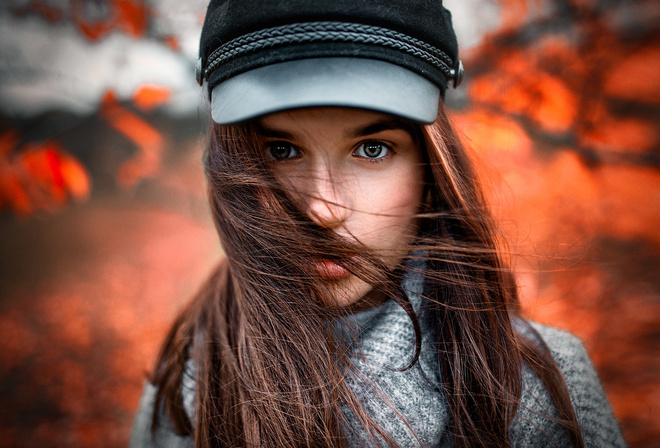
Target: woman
[[362, 300]]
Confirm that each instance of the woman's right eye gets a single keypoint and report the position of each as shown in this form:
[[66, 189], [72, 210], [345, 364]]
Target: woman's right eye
[[282, 151]]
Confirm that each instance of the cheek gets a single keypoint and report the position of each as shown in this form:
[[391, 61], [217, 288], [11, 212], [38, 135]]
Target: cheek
[[405, 205], [402, 194], [293, 184], [391, 205]]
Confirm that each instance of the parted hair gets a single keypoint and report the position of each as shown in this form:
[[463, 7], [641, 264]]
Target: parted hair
[[268, 368]]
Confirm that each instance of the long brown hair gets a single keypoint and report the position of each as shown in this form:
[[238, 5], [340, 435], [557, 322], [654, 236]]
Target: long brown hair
[[268, 369]]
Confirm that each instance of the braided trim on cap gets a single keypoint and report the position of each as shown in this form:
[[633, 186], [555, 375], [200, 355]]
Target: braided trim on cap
[[329, 32]]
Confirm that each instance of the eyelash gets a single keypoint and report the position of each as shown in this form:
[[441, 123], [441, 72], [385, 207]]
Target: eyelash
[[385, 146], [292, 148]]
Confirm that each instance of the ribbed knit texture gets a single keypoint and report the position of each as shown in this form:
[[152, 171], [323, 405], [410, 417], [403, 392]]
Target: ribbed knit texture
[[385, 336]]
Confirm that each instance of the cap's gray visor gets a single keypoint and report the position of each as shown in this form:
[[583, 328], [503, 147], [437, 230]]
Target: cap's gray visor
[[347, 82]]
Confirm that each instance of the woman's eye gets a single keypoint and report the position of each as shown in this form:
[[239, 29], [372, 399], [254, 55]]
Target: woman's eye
[[372, 150], [282, 151]]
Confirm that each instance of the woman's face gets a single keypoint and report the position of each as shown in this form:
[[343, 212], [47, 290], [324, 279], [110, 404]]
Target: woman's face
[[356, 172]]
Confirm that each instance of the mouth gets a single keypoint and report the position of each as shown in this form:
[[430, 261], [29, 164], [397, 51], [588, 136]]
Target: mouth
[[329, 270]]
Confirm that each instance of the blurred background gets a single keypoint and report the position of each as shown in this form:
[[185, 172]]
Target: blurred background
[[105, 232]]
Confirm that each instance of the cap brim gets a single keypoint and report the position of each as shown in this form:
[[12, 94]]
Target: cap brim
[[344, 82]]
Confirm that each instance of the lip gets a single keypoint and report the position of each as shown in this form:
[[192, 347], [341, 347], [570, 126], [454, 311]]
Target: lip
[[329, 270]]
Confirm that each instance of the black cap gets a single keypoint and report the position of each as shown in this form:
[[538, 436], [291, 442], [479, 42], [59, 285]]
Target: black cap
[[241, 36]]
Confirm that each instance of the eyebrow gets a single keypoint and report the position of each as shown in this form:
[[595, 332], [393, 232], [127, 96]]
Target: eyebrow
[[274, 133], [384, 124], [380, 125]]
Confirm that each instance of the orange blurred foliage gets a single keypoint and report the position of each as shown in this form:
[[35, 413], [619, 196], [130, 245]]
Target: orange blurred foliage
[[514, 13], [494, 136], [42, 8], [172, 42], [636, 77], [129, 16], [149, 141], [39, 176], [622, 134], [148, 97], [517, 85]]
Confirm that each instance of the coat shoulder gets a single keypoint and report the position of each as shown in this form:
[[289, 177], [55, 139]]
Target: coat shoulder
[[594, 413]]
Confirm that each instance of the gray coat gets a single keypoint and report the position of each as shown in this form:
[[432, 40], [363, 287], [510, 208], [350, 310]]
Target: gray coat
[[386, 337]]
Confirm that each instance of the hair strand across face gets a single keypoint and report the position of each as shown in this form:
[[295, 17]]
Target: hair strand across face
[[268, 366]]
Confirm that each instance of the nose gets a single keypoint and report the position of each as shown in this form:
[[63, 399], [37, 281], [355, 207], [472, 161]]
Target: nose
[[328, 204]]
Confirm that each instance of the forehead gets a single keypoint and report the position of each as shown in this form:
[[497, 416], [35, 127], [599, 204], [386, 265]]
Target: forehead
[[347, 122]]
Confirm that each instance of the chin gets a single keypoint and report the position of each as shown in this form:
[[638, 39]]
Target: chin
[[348, 292]]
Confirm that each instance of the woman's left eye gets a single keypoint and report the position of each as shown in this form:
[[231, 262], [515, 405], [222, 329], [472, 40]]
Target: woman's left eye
[[373, 150]]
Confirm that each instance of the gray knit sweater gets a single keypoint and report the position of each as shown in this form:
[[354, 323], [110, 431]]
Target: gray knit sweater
[[386, 338]]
